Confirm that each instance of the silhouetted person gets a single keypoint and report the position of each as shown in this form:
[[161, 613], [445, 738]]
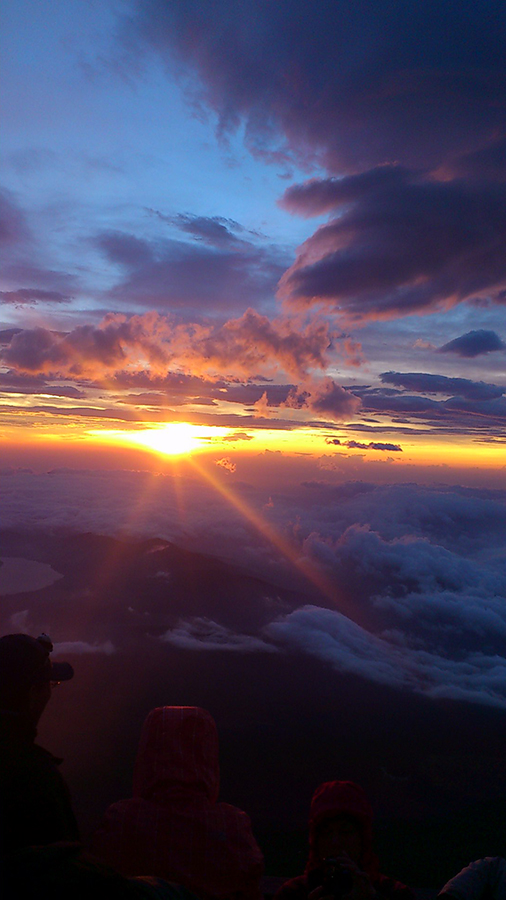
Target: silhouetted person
[[483, 879], [341, 861], [174, 826], [35, 805]]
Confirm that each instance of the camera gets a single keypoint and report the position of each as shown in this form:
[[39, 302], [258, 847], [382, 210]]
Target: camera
[[337, 882]]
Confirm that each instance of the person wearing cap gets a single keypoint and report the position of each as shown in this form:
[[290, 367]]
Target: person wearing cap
[[35, 807], [341, 861]]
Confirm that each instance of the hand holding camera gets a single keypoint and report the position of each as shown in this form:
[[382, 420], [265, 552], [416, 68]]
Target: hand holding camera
[[342, 878]]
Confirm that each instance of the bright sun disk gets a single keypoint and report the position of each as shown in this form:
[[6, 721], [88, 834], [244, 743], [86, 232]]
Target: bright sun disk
[[173, 439]]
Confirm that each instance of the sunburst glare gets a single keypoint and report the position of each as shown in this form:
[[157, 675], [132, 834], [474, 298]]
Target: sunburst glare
[[172, 439]]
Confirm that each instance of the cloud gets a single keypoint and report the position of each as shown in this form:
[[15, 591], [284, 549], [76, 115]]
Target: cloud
[[409, 125], [345, 84], [325, 397], [372, 445], [204, 634], [237, 348], [253, 343], [332, 637], [78, 647], [211, 275], [85, 349], [18, 383], [32, 296], [19, 620], [238, 436], [214, 230], [470, 414], [401, 243], [418, 571], [227, 464], [441, 384], [474, 343]]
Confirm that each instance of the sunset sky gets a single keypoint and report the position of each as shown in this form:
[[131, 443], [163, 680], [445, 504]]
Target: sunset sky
[[253, 300], [283, 223]]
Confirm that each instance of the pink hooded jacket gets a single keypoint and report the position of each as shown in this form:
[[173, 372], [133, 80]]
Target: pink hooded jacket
[[174, 826]]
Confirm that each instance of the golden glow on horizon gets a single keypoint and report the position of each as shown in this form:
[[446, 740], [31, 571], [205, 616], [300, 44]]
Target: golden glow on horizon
[[178, 440]]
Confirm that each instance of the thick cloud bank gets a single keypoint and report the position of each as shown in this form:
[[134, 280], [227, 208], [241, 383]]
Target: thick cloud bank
[[410, 581], [402, 105], [351, 84]]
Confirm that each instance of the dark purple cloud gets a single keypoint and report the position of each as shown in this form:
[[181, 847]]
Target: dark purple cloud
[[40, 284], [18, 383], [125, 249], [401, 244], [214, 230], [207, 276], [31, 296], [405, 100], [456, 415], [169, 382], [474, 343], [6, 334], [373, 445], [152, 398], [350, 84], [176, 388], [421, 382]]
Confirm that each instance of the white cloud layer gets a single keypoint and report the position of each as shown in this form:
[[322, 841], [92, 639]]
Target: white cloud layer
[[332, 637]]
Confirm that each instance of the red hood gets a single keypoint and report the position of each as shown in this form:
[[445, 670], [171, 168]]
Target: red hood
[[335, 798], [178, 751]]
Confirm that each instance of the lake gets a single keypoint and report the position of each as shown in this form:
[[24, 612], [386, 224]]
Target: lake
[[18, 575]]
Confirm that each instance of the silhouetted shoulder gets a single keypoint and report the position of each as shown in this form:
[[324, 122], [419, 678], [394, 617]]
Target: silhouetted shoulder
[[483, 878], [391, 889]]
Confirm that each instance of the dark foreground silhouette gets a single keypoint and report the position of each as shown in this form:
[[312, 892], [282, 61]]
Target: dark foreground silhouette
[[173, 836], [174, 826]]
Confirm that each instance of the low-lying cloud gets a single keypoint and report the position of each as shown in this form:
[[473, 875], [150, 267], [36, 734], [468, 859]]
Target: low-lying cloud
[[415, 576], [330, 636], [203, 634]]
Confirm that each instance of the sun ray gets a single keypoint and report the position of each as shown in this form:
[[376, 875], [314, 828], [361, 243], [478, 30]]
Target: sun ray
[[311, 572]]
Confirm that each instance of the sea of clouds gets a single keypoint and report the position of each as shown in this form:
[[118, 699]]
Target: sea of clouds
[[419, 572]]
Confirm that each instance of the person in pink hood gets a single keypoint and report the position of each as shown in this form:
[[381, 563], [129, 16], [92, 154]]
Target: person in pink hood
[[341, 862], [173, 826]]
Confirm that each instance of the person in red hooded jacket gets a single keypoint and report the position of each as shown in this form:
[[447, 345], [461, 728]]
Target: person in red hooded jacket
[[173, 826], [341, 862]]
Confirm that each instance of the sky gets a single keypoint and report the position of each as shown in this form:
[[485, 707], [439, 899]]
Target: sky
[[250, 248], [283, 222]]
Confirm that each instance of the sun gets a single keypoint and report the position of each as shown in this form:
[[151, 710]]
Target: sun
[[173, 439]]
